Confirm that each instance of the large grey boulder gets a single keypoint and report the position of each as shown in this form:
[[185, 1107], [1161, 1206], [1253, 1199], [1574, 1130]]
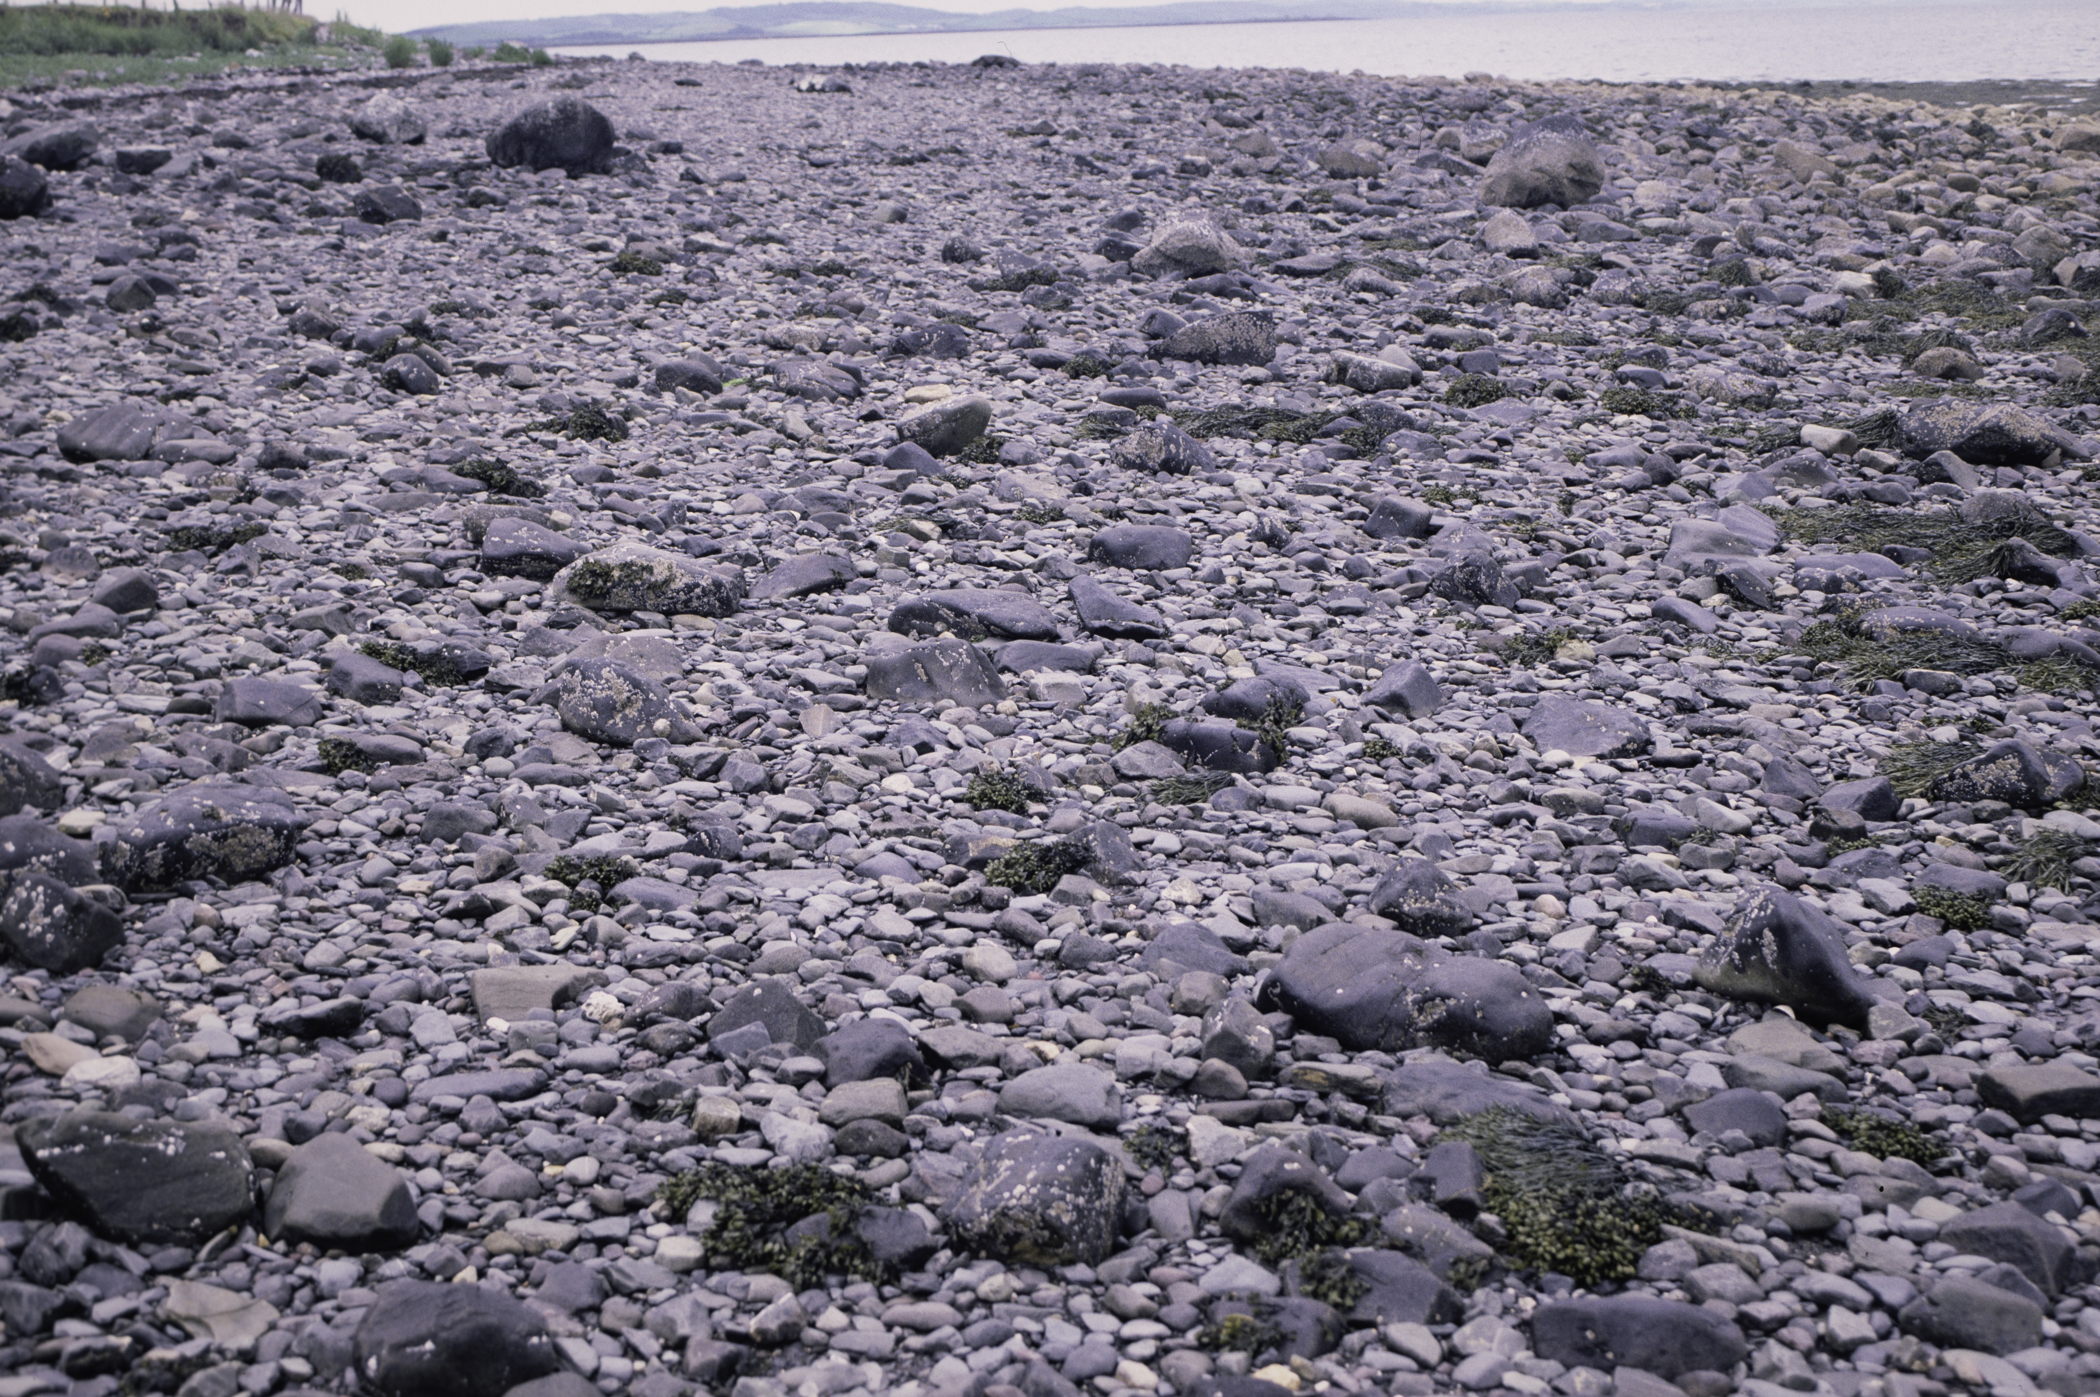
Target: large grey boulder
[[27, 781], [1189, 247], [134, 1181], [1777, 949], [1984, 434], [428, 1339], [119, 432], [44, 923], [1546, 162], [1663, 1337], [1235, 337], [945, 428], [975, 613], [1586, 728], [209, 830], [606, 701], [1070, 1092], [65, 145], [1965, 1313], [1040, 1200], [631, 576], [338, 1195], [1148, 547], [1160, 447], [1368, 988], [24, 190], [953, 673], [567, 133], [388, 120]]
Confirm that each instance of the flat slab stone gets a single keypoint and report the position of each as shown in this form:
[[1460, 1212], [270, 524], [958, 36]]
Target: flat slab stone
[[511, 992]]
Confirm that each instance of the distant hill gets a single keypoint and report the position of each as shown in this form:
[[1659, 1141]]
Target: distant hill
[[830, 17]]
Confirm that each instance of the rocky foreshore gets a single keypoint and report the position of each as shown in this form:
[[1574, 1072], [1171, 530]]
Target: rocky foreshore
[[1009, 731]]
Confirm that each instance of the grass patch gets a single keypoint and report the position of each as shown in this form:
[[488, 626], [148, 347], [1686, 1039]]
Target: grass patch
[[1884, 1136], [2044, 859], [996, 788], [96, 45], [1961, 911], [1189, 790], [795, 1223], [1565, 1203], [1033, 866]]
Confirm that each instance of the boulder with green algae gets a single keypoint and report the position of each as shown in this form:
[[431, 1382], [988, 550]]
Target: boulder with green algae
[[630, 576]]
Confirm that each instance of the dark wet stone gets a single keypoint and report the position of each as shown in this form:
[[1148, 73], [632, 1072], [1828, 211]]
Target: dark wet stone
[[132, 1181], [338, 1195], [1235, 337], [205, 831], [2013, 772], [262, 703], [520, 548], [1552, 161], [1963, 1312], [948, 672], [1993, 434], [428, 1339], [804, 575], [27, 781], [567, 133], [1779, 950], [1663, 1337], [769, 1003], [1160, 447], [1040, 1200], [46, 924], [1150, 547], [1381, 989]]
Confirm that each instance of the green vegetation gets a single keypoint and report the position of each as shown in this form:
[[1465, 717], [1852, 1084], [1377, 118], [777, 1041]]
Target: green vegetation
[[1278, 717], [501, 479], [440, 54], [996, 788], [795, 1223], [1037, 512], [1328, 1277], [1294, 1222], [1240, 1333], [2044, 859], [1087, 366], [984, 451], [1156, 1146], [212, 538], [1867, 654], [1961, 911], [1148, 723], [508, 52], [1379, 749], [1189, 790], [1645, 402], [42, 45], [1564, 1202], [1884, 1136], [352, 572], [1475, 390], [635, 264], [1536, 647], [400, 52], [540, 58], [1033, 866], [434, 664], [1914, 767], [338, 167], [584, 422], [606, 870]]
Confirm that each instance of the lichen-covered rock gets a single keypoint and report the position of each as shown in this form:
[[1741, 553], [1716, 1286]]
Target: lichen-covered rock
[[1382, 989], [607, 701], [209, 830], [1779, 950], [1552, 161], [1040, 1200], [53, 927], [631, 576]]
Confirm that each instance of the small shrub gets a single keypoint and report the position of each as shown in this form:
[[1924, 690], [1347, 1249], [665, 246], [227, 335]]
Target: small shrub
[[473, 51], [400, 51], [996, 788], [440, 54], [1034, 865], [508, 52], [540, 58], [1278, 717]]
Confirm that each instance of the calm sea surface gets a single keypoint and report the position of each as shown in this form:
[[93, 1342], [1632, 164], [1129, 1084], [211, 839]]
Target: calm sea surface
[[2030, 39]]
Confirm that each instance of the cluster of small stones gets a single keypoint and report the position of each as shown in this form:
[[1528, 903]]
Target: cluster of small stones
[[710, 342]]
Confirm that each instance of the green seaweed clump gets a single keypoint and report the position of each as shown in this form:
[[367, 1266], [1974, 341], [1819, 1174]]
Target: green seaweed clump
[[210, 538], [1033, 866], [584, 422], [1328, 1277], [1867, 656], [339, 754], [1536, 648], [1961, 911], [351, 572], [1239, 1333], [1475, 390], [795, 1223], [1087, 366], [1644, 402], [996, 788], [17, 326], [1961, 551], [1156, 1146], [1038, 512], [433, 664], [1278, 717], [1884, 1136], [1294, 1222], [1148, 723], [982, 452], [1189, 790], [2045, 857], [605, 869], [1254, 422], [1380, 749], [1913, 767], [1564, 1202], [501, 479]]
